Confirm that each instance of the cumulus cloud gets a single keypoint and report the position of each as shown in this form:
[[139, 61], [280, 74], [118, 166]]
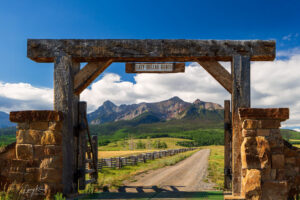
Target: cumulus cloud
[[24, 96], [194, 83], [274, 84]]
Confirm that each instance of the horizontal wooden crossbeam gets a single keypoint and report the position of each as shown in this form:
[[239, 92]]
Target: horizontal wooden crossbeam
[[44, 50], [219, 73], [88, 74]]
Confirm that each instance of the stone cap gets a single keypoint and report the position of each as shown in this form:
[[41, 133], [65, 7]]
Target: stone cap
[[35, 116], [281, 114]]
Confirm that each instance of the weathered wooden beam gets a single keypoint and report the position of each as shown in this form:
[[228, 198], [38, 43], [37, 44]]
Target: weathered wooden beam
[[179, 50], [66, 102], [217, 71], [240, 98], [82, 143], [95, 156], [227, 145], [88, 74]]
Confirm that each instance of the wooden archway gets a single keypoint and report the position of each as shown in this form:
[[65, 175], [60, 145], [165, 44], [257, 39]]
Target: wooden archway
[[70, 81]]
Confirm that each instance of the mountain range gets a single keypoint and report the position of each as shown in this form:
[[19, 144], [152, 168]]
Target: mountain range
[[4, 120], [171, 109]]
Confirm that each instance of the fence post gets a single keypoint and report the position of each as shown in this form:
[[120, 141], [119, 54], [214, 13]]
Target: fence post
[[82, 143], [95, 156]]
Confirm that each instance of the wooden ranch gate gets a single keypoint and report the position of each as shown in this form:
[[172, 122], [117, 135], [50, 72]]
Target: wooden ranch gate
[[70, 80]]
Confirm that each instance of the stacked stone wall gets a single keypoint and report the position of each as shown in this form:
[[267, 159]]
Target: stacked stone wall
[[270, 165], [35, 170]]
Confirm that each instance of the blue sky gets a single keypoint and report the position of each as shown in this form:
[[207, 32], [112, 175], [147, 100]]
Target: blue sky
[[189, 19], [137, 19]]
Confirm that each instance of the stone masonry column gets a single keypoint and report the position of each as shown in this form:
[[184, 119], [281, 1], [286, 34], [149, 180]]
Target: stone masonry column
[[37, 172], [262, 154]]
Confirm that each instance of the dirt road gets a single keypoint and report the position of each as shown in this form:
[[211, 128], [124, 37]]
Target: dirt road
[[187, 175]]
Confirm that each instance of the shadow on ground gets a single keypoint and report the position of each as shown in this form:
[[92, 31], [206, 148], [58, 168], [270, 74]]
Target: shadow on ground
[[154, 192]]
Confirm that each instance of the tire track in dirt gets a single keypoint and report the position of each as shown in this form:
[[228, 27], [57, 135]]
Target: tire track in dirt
[[187, 175]]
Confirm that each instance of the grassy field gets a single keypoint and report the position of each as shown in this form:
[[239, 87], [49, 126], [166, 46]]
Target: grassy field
[[124, 145], [7, 139], [207, 195], [295, 142], [111, 154], [216, 165]]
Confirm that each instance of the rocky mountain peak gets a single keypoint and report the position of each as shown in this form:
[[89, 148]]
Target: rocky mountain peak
[[197, 102], [175, 98], [109, 104]]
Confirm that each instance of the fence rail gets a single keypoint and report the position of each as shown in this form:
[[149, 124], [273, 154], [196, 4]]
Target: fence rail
[[119, 162]]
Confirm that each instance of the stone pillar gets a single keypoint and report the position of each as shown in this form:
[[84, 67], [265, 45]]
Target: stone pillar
[[37, 170], [262, 154]]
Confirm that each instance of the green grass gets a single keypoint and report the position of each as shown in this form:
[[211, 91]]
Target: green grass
[[208, 195], [124, 144], [7, 139], [216, 166], [290, 134]]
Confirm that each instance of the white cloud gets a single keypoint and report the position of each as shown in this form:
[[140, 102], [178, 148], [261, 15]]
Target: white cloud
[[194, 83], [287, 54], [274, 84], [23, 96], [290, 36]]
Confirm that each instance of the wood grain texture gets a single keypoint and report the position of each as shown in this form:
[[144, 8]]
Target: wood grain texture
[[177, 68], [88, 74], [227, 145], [95, 156], [126, 50], [217, 71], [82, 144], [240, 70], [65, 101], [281, 114]]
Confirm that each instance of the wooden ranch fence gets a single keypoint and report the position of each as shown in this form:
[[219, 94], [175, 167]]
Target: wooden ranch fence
[[119, 162]]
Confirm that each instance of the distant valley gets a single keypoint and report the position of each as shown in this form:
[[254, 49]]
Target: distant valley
[[4, 120]]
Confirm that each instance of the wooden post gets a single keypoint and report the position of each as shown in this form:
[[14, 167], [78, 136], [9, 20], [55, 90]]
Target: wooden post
[[95, 156], [82, 143], [227, 145], [66, 102], [240, 71]]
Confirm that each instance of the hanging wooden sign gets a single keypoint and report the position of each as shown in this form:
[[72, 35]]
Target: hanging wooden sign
[[155, 67]]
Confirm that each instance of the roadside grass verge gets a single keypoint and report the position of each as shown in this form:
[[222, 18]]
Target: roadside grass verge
[[216, 165], [113, 178]]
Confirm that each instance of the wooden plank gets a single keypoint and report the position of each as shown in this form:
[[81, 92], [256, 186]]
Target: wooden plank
[[66, 102], [217, 71], [88, 74], [240, 98], [227, 146], [95, 155], [89, 171], [131, 50], [82, 145], [90, 181], [281, 114], [155, 67]]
